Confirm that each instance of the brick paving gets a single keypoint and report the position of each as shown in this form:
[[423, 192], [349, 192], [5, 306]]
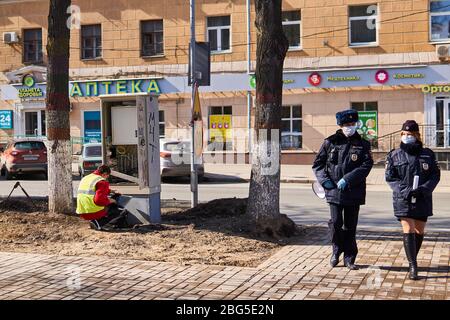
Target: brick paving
[[298, 271]]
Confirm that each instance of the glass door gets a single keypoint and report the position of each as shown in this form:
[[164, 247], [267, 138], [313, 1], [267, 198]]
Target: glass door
[[35, 123]]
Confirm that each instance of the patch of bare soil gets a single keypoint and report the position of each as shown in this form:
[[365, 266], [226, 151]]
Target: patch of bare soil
[[217, 233]]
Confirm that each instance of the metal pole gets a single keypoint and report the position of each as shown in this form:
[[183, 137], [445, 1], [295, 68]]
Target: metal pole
[[194, 182]]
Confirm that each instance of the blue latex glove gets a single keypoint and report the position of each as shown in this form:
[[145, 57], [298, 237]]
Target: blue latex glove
[[328, 185], [341, 184]]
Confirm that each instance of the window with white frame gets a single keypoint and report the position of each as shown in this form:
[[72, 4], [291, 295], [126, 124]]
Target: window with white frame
[[439, 20], [162, 124], [218, 33], [291, 127], [292, 28], [363, 25]]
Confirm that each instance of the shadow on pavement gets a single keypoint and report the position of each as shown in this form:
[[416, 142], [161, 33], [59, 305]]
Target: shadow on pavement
[[209, 178]]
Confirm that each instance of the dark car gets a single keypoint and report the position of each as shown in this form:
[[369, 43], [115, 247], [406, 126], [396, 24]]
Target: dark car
[[24, 156]]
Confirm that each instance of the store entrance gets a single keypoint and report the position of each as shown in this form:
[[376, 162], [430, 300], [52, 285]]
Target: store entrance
[[35, 123], [443, 122]]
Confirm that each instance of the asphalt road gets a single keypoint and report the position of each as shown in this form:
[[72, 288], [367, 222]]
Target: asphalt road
[[297, 200]]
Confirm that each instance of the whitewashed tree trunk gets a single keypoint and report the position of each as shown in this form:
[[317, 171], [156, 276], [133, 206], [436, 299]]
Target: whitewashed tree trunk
[[60, 191], [58, 108], [264, 194]]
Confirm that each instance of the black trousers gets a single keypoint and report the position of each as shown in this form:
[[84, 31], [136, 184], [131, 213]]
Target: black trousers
[[115, 217], [342, 224]]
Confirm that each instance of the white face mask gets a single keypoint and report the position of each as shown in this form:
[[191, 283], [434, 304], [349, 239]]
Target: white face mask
[[408, 139], [349, 131]]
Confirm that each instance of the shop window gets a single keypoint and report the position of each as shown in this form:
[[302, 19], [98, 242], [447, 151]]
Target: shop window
[[162, 124], [218, 33], [291, 27], [439, 20], [32, 46], [363, 28], [365, 106], [291, 127], [91, 41], [220, 128], [152, 39]]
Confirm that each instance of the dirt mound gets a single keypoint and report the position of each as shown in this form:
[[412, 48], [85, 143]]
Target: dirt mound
[[230, 207], [23, 205]]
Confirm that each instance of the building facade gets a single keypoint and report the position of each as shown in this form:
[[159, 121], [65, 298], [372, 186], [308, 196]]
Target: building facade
[[387, 59]]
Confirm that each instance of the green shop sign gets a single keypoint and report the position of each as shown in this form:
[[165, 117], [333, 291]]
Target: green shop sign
[[29, 90], [253, 81], [436, 89], [110, 87], [368, 124]]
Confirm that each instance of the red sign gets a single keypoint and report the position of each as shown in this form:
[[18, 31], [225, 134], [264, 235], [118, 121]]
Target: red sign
[[315, 79], [382, 76]]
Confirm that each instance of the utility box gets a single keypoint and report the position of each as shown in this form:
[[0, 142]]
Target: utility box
[[130, 127]]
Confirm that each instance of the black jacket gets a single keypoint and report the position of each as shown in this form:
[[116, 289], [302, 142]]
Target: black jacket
[[401, 166], [348, 158]]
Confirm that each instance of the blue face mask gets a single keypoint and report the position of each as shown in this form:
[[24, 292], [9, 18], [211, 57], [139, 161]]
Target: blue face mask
[[408, 139]]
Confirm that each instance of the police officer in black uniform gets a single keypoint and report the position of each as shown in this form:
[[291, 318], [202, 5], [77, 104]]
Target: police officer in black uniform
[[341, 167], [412, 207]]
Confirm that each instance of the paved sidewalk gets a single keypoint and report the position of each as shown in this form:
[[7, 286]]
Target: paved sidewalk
[[295, 272]]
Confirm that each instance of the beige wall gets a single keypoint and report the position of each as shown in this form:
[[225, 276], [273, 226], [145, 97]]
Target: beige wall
[[405, 31], [319, 109]]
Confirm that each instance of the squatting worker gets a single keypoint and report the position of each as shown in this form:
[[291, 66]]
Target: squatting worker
[[93, 203], [412, 207], [341, 167]]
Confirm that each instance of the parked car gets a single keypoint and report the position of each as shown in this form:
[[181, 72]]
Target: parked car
[[90, 158], [171, 153], [23, 156]]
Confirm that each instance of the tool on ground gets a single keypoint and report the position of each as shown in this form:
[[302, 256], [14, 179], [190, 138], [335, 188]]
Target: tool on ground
[[16, 185], [415, 186], [318, 190]]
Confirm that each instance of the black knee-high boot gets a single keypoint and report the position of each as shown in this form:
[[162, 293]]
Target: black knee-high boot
[[409, 242], [419, 240]]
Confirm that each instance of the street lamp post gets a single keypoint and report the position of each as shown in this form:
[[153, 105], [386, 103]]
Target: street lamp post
[[193, 80]]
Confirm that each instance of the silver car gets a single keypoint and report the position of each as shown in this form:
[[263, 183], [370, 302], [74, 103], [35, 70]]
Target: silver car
[[175, 159], [90, 158]]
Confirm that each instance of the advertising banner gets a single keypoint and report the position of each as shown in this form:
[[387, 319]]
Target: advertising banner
[[368, 124], [6, 119]]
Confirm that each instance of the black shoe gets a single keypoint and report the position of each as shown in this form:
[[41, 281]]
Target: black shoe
[[419, 240], [93, 224], [351, 265], [409, 242], [334, 260]]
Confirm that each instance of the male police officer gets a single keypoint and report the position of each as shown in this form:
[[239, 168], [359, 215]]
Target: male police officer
[[341, 167]]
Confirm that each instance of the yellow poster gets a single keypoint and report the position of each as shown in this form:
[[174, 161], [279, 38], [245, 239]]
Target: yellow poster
[[220, 128]]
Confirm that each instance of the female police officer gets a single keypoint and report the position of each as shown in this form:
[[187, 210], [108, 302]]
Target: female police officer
[[341, 167], [412, 207]]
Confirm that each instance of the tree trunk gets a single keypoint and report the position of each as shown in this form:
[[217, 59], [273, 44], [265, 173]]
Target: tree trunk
[[264, 195], [60, 190]]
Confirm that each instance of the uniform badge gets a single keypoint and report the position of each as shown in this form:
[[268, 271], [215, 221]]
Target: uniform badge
[[425, 166], [354, 157]]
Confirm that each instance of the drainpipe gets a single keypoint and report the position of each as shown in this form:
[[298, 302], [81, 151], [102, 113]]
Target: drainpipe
[[249, 67]]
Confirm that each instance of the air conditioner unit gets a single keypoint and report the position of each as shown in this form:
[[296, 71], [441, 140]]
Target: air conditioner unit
[[10, 37], [443, 51]]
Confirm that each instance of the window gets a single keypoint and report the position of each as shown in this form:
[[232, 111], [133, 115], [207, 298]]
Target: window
[[162, 124], [291, 27], [91, 41], [363, 22], [220, 128], [440, 20], [365, 106], [291, 127], [218, 29], [152, 43], [32, 46]]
